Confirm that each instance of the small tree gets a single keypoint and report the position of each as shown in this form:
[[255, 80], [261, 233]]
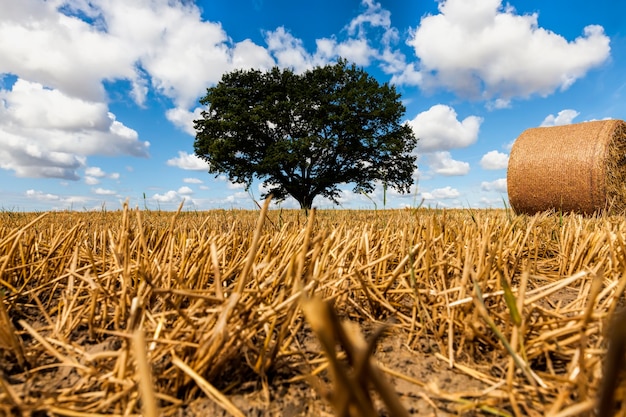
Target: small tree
[[302, 135]]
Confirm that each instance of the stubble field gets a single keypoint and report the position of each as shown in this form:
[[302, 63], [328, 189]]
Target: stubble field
[[392, 312]]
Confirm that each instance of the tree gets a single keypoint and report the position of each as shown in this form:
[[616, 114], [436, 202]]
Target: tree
[[303, 134]]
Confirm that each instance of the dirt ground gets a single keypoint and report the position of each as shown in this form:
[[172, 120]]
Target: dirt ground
[[288, 394], [299, 399]]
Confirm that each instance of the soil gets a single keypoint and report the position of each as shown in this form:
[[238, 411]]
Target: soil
[[288, 394], [299, 399]]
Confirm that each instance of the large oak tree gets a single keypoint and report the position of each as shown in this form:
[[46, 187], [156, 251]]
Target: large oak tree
[[303, 134]]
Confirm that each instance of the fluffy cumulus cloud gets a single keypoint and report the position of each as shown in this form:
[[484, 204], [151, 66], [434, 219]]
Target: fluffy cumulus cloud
[[93, 175], [57, 50], [39, 195], [482, 49], [95, 172], [173, 198], [370, 27], [498, 185], [441, 194], [103, 191], [151, 43], [47, 133], [288, 50], [564, 117], [192, 180], [56, 113], [184, 190], [183, 119], [173, 49], [91, 180], [233, 185], [59, 201], [373, 23], [439, 129], [188, 162], [158, 43], [443, 164], [167, 197], [374, 15], [494, 160]]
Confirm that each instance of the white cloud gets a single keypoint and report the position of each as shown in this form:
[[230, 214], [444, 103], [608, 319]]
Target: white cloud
[[354, 50], [32, 105], [499, 103], [564, 117], [494, 160], [175, 197], [168, 197], [372, 25], [409, 75], [237, 198], [102, 191], [181, 53], [233, 185], [155, 45], [152, 43], [439, 129], [491, 202], [58, 50], [31, 160], [184, 190], [374, 15], [373, 22], [288, 50], [246, 54], [238, 186], [39, 195], [114, 175], [479, 48], [57, 201], [95, 172], [91, 180], [441, 194], [188, 162], [46, 133], [498, 185], [443, 164], [192, 180], [183, 119]]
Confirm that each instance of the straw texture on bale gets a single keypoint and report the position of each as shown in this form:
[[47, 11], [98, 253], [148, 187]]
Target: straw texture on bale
[[574, 168]]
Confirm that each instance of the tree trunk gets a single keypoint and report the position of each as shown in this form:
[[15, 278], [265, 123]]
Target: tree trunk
[[306, 201]]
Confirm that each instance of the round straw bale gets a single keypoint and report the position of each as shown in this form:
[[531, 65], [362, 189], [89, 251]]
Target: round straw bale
[[573, 168]]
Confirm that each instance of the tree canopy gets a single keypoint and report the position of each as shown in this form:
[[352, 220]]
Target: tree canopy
[[304, 134]]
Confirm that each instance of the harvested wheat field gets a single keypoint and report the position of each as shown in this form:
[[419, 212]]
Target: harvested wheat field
[[347, 313]]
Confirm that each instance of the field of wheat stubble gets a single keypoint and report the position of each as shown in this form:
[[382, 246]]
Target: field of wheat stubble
[[273, 312]]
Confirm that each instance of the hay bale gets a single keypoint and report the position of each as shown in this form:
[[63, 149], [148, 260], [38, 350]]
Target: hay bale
[[574, 168]]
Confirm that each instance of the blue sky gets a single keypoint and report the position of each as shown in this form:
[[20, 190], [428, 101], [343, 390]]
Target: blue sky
[[97, 97]]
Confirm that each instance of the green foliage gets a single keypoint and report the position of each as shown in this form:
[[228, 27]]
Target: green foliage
[[303, 134]]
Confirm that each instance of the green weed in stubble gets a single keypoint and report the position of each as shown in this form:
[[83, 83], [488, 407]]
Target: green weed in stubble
[[370, 199], [531, 377], [472, 215], [508, 210]]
